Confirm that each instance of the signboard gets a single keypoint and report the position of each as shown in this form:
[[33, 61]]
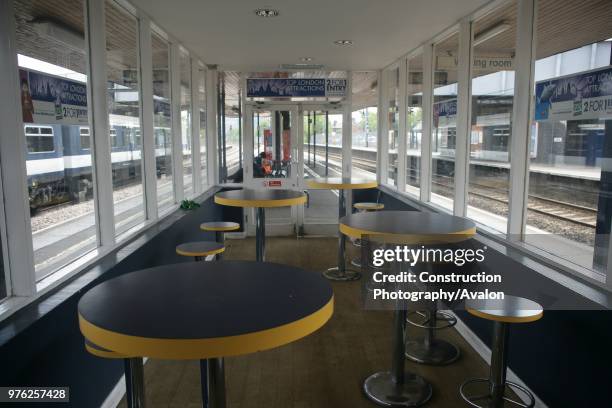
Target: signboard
[[445, 113], [50, 99], [295, 87], [483, 63], [587, 95]]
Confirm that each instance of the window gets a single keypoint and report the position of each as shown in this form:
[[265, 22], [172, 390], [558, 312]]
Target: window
[[162, 119], [230, 138], [185, 78], [393, 123], [414, 124], [202, 104], [124, 116], [493, 48], [40, 139], [444, 124], [59, 175], [84, 138], [364, 124], [568, 210]]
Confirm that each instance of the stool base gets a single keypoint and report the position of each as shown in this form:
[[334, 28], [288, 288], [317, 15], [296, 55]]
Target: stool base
[[356, 262], [335, 274], [436, 352], [383, 390], [482, 398]]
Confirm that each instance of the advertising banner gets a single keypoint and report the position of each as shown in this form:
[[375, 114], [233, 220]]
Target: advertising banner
[[50, 99], [295, 87], [587, 95], [445, 113]]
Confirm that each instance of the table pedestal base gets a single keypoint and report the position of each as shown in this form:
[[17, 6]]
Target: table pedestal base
[[431, 351], [383, 390], [212, 377], [134, 382]]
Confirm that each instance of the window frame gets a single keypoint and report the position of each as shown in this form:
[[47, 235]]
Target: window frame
[[39, 134]]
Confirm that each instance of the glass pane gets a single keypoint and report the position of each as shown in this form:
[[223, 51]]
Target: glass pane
[[414, 124], [58, 157], [124, 118], [262, 142], [202, 103], [185, 78], [162, 121], [230, 143], [393, 123], [365, 124], [491, 128], [570, 197], [444, 122]]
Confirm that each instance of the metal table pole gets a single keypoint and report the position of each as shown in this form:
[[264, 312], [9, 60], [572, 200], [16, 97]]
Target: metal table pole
[[134, 382], [215, 386], [340, 273], [398, 388], [260, 234]]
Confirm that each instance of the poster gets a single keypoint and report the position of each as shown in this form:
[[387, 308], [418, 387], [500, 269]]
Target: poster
[[587, 95], [295, 87], [52, 100], [445, 113]]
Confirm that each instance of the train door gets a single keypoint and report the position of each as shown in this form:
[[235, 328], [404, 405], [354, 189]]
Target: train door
[[271, 159], [321, 156]]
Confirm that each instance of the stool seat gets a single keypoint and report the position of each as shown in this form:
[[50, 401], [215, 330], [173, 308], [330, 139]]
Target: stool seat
[[369, 206], [200, 248], [511, 309], [219, 226]]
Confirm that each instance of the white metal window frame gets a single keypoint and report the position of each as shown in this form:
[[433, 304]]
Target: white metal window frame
[[522, 111], [15, 230]]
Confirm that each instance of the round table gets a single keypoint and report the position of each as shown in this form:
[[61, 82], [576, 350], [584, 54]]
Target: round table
[[398, 388], [260, 199], [204, 311], [339, 273]]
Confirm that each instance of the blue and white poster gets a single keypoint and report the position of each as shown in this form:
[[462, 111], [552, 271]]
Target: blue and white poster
[[295, 87], [50, 99], [445, 113], [587, 95]]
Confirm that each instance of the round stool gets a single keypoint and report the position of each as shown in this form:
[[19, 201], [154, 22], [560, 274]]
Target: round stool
[[491, 392], [364, 207], [429, 349], [200, 249], [220, 228]]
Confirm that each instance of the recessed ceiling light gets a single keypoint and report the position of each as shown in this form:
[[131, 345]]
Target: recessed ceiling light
[[343, 42], [306, 59], [266, 12]]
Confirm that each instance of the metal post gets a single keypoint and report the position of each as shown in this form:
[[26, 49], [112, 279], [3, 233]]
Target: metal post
[[260, 234], [314, 141], [134, 382], [220, 108], [366, 125], [399, 346], [326, 143], [308, 138], [239, 129], [499, 362], [220, 238], [216, 383], [258, 134]]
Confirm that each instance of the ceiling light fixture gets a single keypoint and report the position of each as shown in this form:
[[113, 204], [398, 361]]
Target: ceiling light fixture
[[306, 59], [491, 32], [343, 42], [266, 12]]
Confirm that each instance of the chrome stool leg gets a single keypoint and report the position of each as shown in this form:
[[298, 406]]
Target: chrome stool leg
[[397, 388], [429, 349], [492, 391], [220, 238], [340, 273]]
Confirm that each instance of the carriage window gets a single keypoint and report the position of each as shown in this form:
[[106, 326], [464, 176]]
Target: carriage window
[[60, 189], [85, 138], [569, 207], [492, 101], [113, 136], [39, 140]]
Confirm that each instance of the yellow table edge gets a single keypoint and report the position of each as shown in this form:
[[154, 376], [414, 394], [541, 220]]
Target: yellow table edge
[[221, 229], [411, 238], [369, 206], [348, 186], [199, 253], [102, 353], [285, 202], [505, 319], [195, 349]]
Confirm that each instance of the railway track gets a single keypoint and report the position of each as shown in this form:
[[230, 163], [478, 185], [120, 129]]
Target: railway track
[[564, 211]]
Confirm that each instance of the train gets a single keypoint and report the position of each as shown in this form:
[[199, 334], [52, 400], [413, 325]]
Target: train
[[58, 159]]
